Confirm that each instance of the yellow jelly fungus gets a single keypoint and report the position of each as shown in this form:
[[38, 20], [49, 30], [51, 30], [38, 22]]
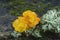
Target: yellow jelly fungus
[[20, 24], [28, 21], [31, 18]]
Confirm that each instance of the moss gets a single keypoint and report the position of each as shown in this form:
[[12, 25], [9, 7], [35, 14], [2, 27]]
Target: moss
[[18, 6], [21, 6]]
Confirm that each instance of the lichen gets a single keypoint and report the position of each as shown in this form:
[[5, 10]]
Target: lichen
[[51, 20]]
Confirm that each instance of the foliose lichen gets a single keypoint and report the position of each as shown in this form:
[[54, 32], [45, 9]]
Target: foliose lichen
[[51, 21]]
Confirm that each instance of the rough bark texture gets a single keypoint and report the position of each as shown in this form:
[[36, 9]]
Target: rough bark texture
[[6, 20]]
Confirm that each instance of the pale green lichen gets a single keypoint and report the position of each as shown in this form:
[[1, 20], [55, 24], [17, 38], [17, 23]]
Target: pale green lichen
[[51, 20], [34, 32], [16, 34]]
